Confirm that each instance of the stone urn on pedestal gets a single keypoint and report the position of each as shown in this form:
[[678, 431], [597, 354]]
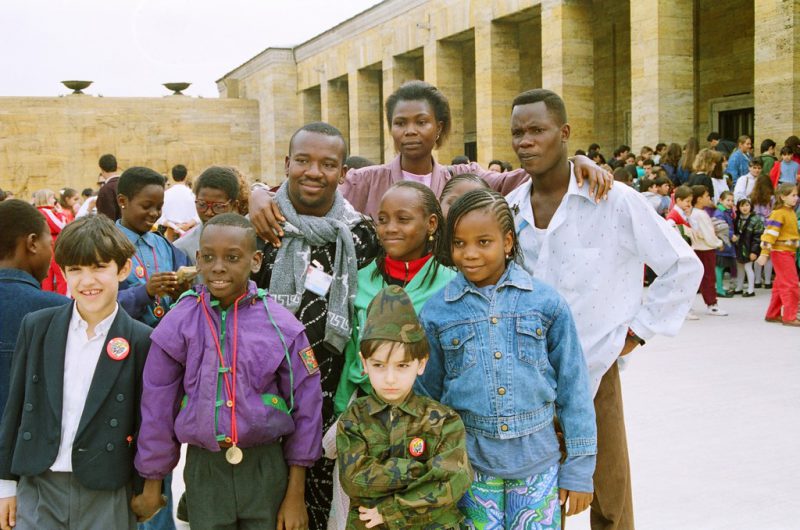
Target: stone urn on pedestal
[[177, 88], [76, 86]]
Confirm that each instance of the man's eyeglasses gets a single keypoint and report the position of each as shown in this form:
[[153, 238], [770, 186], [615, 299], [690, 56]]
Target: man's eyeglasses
[[216, 207]]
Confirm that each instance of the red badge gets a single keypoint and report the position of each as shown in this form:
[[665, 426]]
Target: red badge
[[158, 311], [416, 447], [118, 348], [139, 271]]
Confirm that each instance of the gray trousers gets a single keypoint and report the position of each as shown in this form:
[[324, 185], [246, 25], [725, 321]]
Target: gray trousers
[[247, 496], [56, 501]]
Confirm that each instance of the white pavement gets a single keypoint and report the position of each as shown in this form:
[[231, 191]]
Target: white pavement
[[713, 418]]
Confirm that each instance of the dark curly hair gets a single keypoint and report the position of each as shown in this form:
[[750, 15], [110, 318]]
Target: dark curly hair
[[422, 91]]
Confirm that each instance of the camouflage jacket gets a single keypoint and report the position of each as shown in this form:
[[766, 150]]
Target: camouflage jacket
[[409, 460]]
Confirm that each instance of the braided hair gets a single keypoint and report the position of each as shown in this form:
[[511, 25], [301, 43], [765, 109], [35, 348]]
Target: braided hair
[[430, 206], [486, 200], [458, 179]]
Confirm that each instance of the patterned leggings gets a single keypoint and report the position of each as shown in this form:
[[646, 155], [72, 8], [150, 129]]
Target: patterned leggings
[[494, 503]]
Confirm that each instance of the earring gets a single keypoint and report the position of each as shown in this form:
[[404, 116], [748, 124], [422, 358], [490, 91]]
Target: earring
[[430, 237]]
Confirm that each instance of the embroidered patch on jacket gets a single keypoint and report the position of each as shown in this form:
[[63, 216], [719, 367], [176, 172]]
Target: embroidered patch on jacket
[[310, 361]]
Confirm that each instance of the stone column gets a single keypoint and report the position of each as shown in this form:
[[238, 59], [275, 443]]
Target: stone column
[[365, 114], [777, 69], [444, 70], [662, 71], [568, 63], [334, 105], [311, 104], [497, 82]]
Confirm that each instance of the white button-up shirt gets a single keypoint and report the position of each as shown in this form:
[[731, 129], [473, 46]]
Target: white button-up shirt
[[594, 255], [80, 359]]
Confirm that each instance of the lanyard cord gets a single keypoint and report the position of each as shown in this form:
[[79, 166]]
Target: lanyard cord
[[143, 266], [230, 383], [285, 355]]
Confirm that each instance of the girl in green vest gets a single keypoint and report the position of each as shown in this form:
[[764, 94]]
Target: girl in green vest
[[409, 226]]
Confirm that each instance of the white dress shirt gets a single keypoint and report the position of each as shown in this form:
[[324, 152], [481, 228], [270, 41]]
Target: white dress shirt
[[178, 205], [80, 359], [744, 187], [594, 255]]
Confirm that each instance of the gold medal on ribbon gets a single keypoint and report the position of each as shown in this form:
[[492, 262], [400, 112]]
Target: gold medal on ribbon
[[234, 455]]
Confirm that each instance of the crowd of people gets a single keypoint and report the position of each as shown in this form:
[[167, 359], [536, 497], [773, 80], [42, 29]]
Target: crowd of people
[[404, 345]]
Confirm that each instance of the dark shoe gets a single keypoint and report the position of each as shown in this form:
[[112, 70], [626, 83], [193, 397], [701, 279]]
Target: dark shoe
[[768, 286], [737, 292], [748, 295], [759, 285], [793, 323], [776, 320], [726, 294], [182, 513]]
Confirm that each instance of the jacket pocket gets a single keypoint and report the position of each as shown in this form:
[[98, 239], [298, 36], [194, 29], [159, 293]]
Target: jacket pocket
[[458, 346], [532, 341]]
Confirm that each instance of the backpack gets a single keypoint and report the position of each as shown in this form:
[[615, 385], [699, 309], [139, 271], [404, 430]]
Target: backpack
[[721, 228]]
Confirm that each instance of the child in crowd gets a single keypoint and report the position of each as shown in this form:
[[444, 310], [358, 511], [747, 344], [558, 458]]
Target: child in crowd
[[216, 192], [780, 241], [153, 283], [787, 171], [68, 202], [651, 192], [458, 186], [506, 356], [726, 256], [679, 215], [69, 429], [47, 203], [748, 230], [25, 254], [265, 412], [410, 227], [648, 166], [763, 199], [402, 457], [705, 244], [767, 155], [744, 186]]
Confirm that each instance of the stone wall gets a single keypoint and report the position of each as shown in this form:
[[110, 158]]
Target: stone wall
[[56, 142]]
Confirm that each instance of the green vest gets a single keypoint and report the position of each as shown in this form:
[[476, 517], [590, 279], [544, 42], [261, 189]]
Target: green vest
[[419, 289]]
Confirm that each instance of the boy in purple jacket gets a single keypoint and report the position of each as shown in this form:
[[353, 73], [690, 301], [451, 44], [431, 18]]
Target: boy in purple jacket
[[230, 372]]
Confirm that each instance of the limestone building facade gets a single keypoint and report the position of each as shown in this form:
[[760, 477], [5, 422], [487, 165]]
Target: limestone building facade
[[631, 71]]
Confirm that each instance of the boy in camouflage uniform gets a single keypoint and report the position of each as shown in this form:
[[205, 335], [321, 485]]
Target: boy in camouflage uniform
[[402, 457]]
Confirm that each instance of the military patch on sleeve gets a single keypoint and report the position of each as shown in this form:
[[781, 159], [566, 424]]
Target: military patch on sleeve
[[309, 361]]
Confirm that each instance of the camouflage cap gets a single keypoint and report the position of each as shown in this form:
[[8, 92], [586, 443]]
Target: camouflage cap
[[391, 316]]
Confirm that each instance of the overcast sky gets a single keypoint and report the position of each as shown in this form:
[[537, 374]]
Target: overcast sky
[[130, 47]]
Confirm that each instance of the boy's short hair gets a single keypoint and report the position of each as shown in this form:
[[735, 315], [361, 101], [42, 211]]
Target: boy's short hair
[[92, 240], [235, 220], [660, 146], [767, 144], [134, 179], [713, 136], [18, 219], [108, 163], [786, 150], [645, 184], [219, 178], [179, 173], [661, 180], [622, 175], [756, 162], [682, 192], [413, 350], [698, 191], [648, 162], [87, 192]]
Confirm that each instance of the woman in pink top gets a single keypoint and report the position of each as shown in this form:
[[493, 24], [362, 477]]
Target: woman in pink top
[[419, 121]]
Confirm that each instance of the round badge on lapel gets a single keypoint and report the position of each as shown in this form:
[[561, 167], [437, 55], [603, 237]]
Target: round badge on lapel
[[158, 311], [416, 447], [139, 271], [118, 348]]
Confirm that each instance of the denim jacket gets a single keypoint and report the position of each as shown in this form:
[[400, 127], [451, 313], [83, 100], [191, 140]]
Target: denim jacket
[[508, 364]]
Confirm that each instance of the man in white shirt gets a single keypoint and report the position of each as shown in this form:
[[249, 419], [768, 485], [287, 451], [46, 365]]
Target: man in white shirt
[[594, 253], [744, 186], [179, 214]]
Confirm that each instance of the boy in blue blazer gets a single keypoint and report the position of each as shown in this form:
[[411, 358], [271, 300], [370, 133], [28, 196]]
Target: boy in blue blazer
[[67, 438]]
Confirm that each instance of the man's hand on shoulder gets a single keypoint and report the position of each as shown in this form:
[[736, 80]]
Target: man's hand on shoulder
[[600, 180], [266, 216]]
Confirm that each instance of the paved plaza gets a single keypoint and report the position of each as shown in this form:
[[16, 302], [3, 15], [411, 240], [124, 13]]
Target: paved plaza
[[713, 420]]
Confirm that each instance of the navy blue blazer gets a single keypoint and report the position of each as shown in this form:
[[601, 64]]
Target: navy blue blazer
[[105, 444]]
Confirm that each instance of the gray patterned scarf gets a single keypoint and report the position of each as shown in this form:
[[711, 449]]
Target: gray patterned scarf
[[294, 256]]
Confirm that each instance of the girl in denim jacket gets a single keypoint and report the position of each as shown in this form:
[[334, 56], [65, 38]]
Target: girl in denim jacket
[[505, 355]]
